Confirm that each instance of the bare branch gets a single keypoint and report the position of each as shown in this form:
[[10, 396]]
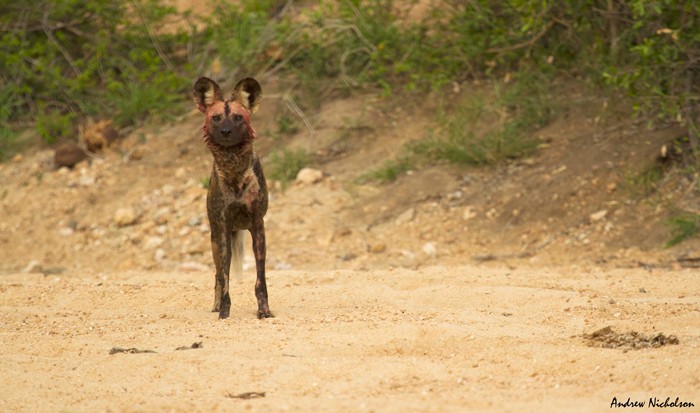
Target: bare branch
[[155, 43], [527, 43], [53, 39]]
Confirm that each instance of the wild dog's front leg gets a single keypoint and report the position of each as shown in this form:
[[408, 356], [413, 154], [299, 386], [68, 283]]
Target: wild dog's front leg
[[257, 231], [221, 252]]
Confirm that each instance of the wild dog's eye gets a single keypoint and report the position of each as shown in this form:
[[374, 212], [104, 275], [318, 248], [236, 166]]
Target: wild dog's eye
[[216, 118], [237, 117]]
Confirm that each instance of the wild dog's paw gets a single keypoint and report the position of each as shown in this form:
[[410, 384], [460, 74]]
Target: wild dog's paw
[[224, 313], [265, 313]]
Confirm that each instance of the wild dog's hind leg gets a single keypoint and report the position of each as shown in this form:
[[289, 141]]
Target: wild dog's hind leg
[[257, 232]]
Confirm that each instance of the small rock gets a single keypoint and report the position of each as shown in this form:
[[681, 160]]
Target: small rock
[[559, 170], [194, 221], [340, 232], [68, 154], [167, 189], [86, 180], [429, 248], [191, 266], [309, 176], [34, 266], [349, 256], [455, 195], [281, 265], [377, 248], [136, 154], [153, 242], [159, 255], [468, 213], [125, 216], [597, 216], [66, 231], [406, 216], [491, 213]]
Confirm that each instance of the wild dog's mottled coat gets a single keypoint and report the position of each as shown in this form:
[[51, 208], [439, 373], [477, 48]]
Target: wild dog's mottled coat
[[237, 197]]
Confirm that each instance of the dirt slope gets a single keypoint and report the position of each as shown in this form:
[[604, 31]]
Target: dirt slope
[[437, 339]]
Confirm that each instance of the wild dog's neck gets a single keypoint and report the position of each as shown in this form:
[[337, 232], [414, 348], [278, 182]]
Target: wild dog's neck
[[231, 163]]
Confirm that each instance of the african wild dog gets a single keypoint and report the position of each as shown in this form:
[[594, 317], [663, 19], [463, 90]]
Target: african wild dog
[[237, 197]]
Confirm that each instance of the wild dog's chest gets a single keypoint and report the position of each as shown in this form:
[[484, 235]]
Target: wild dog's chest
[[244, 192]]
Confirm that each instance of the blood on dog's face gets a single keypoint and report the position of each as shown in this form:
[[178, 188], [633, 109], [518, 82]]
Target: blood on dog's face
[[227, 124], [227, 121]]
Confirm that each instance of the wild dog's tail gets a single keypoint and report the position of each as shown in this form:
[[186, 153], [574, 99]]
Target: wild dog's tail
[[237, 253]]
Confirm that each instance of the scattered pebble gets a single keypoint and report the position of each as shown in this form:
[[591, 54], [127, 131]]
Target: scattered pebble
[[153, 242], [86, 180], [34, 266], [491, 213], [125, 216], [468, 213], [598, 216], [429, 248], [377, 248], [455, 195], [66, 231], [349, 256], [68, 154], [281, 265], [309, 176], [406, 216], [192, 266]]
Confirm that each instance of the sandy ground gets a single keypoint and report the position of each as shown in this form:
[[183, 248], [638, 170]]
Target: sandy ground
[[437, 339]]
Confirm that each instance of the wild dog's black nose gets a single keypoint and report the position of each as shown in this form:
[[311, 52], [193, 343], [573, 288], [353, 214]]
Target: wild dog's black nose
[[226, 131]]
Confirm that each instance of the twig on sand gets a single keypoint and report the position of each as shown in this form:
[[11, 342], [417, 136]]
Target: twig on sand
[[132, 350], [247, 395]]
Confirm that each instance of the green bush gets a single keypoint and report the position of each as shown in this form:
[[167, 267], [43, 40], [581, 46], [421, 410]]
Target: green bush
[[284, 165], [684, 225], [65, 59], [76, 58], [389, 171]]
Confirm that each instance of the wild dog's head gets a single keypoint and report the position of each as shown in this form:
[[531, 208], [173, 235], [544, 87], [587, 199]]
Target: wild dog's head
[[227, 122]]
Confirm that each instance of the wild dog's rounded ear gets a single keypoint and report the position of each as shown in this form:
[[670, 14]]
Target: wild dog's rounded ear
[[248, 93], [205, 93]]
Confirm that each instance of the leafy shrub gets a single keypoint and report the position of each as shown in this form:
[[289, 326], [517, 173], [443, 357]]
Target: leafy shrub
[[684, 225], [75, 58], [70, 58], [284, 165]]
